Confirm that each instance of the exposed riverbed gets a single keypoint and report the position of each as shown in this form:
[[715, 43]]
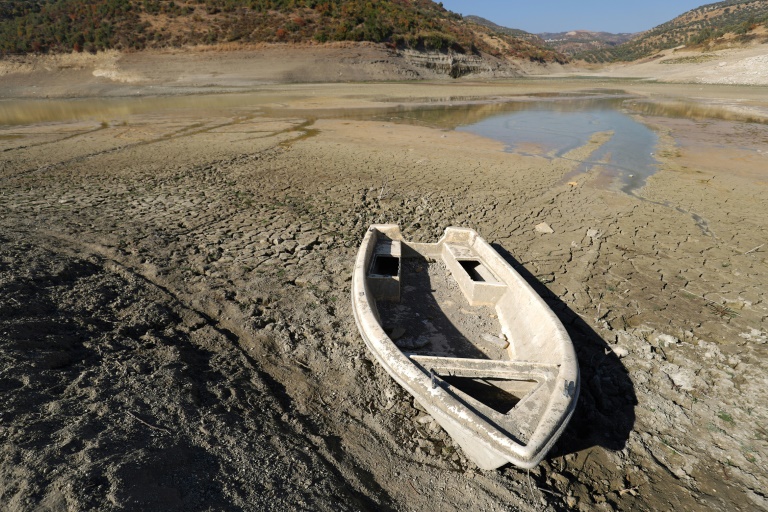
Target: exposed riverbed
[[176, 330]]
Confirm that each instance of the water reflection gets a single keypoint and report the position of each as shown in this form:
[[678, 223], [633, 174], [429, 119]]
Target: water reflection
[[451, 116], [25, 112], [555, 128], [549, 124], [446, 112], [695, 110]]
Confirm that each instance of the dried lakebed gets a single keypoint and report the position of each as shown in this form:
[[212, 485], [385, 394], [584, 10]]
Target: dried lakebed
[[176, 330]]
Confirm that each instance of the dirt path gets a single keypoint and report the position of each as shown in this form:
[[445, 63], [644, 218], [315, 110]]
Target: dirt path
[[176, 331]]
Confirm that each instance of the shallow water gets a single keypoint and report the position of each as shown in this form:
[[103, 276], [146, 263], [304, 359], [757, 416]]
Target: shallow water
[[548, 125], [551, 129]]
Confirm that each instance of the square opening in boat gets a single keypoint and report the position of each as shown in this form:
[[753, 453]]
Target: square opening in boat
[[501, 395], [477, 271], [384, 265]]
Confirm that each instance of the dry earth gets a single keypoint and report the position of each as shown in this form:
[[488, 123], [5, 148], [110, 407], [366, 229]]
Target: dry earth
[[176, 331], [732, 66], [210, 69]]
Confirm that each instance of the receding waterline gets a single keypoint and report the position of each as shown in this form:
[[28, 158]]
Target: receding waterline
[[552, 129]]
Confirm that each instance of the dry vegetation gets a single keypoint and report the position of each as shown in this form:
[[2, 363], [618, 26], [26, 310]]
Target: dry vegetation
[[66, 25], [738, 20]]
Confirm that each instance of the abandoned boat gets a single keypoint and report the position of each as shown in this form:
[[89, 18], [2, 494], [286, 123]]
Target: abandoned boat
[[461, 331]]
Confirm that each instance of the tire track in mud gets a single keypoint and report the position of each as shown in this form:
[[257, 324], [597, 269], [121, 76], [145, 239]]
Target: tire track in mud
[[73, 136], [182, 133]]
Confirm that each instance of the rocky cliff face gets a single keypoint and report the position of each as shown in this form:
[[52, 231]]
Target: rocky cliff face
[[457, 65], [172, 71]]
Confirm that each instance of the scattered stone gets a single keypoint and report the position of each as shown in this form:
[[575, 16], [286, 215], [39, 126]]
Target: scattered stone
[[544, 228], [562, 481], [626, 338], [495, 340], [682, 379], [620, 352], [306, 242], [754, 335], [423, 419], [665, 340]]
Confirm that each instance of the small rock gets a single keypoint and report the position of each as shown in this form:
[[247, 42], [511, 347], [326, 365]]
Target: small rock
[[496, 341], [754, 335], [666, 340], [593, 234], [544, 228], [620, 352], [626, 338], [682, 379], [561, 480], [397, 333], [424, 419]]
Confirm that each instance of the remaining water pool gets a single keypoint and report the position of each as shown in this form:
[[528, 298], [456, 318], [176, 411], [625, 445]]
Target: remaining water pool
[[552, 128], [547, 125]]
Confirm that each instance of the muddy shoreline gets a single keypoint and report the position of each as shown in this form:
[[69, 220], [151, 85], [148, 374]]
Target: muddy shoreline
[[176, 330]]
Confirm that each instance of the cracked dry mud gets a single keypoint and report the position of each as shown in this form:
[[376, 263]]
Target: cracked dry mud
[[176, 331]]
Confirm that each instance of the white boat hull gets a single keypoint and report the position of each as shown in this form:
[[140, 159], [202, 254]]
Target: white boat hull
[[538, 366]]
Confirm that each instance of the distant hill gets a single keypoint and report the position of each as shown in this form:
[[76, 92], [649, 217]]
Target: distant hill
[[50, 26], [514, 32], [579, 41], [732, 20]]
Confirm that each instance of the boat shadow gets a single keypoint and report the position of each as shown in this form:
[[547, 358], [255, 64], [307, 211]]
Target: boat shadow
[[425, 315], [605, 413]]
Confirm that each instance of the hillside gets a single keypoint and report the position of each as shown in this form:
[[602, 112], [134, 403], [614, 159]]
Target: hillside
[[732, 21], [56, 26], [514, 32], [579, 41]]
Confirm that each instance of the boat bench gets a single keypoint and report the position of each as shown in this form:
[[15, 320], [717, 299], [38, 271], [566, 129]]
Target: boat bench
[[385, 271], [477, 282]]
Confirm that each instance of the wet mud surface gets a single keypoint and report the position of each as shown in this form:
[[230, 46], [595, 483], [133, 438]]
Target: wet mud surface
[[176, 330]]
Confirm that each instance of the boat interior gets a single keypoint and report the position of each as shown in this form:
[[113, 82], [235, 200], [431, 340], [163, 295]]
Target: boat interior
[[438, 304]]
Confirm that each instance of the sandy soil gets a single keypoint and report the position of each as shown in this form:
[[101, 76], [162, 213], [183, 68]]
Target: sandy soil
[[212, 69], [193, 71], [176, 331], [732, 66], [215, 69]]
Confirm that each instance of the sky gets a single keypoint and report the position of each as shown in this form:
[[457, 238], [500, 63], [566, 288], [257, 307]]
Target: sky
[[537, 16]]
